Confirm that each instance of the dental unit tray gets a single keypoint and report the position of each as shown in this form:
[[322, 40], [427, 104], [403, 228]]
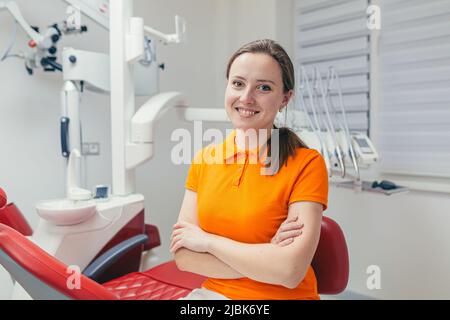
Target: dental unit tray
[[369, 186]]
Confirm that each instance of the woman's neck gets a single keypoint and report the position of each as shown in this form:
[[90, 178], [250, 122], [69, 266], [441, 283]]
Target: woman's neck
[[250, 139]]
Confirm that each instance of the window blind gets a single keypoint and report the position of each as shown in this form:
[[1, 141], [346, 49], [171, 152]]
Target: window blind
[[414, 82], [334, 32]]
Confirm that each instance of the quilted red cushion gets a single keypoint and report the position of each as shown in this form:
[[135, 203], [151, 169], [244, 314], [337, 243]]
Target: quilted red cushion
[[163, 282], [138, 286]]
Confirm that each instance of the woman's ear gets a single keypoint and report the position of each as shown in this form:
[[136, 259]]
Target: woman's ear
[[287, 97]]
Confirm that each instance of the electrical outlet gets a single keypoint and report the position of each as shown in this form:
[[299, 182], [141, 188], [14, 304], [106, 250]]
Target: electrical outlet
[[90, 148]]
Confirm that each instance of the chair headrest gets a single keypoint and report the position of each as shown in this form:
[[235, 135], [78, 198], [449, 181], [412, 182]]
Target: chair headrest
[[331, 262]]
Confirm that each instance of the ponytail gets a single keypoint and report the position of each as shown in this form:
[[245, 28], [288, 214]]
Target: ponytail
[[289, 142]]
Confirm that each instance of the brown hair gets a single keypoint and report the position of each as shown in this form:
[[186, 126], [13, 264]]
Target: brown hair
[[289, 141]]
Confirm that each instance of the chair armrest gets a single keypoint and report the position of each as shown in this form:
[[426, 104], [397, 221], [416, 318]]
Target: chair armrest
[[153, 234], [98, 266]]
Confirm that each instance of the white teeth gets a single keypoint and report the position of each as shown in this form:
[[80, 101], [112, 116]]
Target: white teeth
[[246, 112]]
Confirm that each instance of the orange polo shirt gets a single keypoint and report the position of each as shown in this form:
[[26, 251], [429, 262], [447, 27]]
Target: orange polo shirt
[[238, 202]]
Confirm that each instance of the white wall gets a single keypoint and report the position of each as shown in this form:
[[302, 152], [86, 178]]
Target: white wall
[[405, 235]]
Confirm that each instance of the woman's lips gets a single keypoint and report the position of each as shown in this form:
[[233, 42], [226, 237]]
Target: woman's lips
[[246, 113]]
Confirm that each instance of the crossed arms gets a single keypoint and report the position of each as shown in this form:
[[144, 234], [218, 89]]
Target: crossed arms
[[218, 257]]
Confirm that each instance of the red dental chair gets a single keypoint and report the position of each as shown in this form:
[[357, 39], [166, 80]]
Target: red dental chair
[[44, 277]]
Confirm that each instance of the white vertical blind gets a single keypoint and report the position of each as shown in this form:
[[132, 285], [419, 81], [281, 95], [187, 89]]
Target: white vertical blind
[[334, 32], [414, 118]]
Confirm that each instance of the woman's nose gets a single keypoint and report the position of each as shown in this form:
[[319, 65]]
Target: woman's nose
[[247, 97]]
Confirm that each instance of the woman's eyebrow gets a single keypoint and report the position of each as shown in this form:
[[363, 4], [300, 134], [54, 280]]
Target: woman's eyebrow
[[259, 80], [262, 80]]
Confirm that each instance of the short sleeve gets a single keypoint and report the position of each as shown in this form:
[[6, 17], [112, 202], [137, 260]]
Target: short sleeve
[[193, 176], [311, 183]]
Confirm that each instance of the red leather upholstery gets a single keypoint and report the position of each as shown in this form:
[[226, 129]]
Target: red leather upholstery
[[46, 268], [3, 200], [165, 281], [138, 286], [331, 262], [162, 282], [12, 217]]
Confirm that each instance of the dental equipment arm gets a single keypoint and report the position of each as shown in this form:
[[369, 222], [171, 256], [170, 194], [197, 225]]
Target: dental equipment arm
[[142, 122], [177, 37], [98, 11], [42, 46], [12, 7], [140, 148]]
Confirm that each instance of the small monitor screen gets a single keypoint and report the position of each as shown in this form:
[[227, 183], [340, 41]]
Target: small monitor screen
[[362, 143]]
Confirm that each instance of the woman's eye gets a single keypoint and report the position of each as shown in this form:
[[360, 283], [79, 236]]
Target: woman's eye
[[265, 87], [237, 84]]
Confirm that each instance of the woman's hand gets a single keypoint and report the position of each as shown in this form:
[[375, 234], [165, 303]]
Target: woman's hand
[[189, 236], [289, 229]]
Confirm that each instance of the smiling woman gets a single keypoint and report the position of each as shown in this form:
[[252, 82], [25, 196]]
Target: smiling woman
[[260, 83], [254, 235]]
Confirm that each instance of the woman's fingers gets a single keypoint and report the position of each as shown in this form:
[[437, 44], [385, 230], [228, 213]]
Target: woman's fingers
[[172, 242], [285, 242], [175, 248], [176, 244], [291, 226], [288, 230], [176, 232], [288, 234], [175, 239], [289, 220], [178, 225]]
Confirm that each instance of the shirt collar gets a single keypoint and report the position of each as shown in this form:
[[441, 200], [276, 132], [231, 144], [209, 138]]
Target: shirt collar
[[230, 149]]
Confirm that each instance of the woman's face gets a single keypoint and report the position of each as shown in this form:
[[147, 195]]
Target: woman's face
[[254, 91]]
